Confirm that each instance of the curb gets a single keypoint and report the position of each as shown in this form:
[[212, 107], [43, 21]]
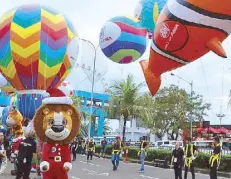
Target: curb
[[197, 170]]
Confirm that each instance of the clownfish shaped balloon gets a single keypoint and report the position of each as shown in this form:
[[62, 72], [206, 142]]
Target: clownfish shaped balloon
[[185, 31]]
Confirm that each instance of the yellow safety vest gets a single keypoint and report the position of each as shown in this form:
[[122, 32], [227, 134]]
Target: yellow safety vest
[[188, 160], [142, 145], [116, 151], [214, 157], [90, 148]]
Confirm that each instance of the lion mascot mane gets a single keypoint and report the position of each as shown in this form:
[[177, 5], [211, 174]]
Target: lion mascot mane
[[56, 123]]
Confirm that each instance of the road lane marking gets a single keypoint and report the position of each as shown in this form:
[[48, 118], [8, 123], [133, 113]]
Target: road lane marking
[[74, 177], [89, 163], [145, 176], [92, 172]]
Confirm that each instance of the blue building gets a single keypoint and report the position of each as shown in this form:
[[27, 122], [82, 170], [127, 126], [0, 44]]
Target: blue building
[[99, 102]]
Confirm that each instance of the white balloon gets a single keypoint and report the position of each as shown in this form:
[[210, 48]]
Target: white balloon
[[73, 50], [3, 80]]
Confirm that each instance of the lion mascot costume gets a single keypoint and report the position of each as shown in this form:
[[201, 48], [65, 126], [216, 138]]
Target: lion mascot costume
[[56, 124]]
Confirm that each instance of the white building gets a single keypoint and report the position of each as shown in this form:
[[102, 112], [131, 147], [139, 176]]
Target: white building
[[133, 130]]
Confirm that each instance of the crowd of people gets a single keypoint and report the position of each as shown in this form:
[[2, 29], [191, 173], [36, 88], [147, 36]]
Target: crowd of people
[[181, 158], [186, 158]]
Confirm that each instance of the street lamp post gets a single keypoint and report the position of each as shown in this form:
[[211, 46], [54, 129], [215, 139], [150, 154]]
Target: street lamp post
[[191, 95], [92, 85]]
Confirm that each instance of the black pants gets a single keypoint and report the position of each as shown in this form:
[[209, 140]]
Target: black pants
[[213, 172], [178, 172], [74, 155], [89, 154], [191, 169], [23, 170]]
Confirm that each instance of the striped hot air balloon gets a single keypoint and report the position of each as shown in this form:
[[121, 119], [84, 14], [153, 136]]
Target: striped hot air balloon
[[123, 39], [35, 54]]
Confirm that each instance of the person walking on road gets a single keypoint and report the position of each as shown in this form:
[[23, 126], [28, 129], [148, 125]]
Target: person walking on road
[[190, 156], [142, 153], [117, 148], [103, 147], [26, 151], [90, 147], [74, 149], [214, 160], [177, 161]]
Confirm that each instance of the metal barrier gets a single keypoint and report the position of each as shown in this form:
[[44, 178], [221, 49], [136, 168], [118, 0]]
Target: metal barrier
[[202, 150]]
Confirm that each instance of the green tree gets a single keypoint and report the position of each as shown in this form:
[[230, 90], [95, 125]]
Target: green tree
[[171, 109], [124, 98], [106, 127]]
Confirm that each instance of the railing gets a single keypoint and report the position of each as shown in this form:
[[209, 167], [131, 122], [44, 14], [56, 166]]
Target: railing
[[202, 150]]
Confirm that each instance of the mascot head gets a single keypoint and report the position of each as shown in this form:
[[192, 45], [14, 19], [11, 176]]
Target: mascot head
[[14, 118], [57, 121]]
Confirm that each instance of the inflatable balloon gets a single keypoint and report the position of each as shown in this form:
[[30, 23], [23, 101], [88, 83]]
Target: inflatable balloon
[[5, 113], [186, 31], [123, 39], [5, 85], [66, 88], [147, 11], [35, 52]]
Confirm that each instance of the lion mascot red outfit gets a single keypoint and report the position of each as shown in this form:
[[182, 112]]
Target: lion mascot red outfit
[[56, 123]]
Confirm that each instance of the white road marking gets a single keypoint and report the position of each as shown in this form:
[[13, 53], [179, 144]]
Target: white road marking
[[144, 176], [91, 172], [74, 177], [89, 163]]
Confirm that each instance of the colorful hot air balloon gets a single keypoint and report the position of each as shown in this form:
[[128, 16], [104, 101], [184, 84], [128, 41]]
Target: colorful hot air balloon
[[123, 39], [147, 11], [34, 52]]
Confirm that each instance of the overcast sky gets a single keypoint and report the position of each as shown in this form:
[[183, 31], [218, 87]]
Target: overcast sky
[[88, 16]]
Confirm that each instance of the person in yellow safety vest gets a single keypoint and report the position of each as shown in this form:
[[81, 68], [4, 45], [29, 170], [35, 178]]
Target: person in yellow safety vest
[[214, 160], [142, 153], [117, 148], [190, 155], [90, 147]]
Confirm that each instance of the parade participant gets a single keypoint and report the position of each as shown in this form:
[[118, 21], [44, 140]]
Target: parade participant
[[80, 146], [26, 151], [190, 156], [73, 149], [215, 159], [103, 147], [84, 144], [56, 123], [90, 147], [3, 157], [14, 121], [7, 140], [177, 161], [117, 148], [142, 152]]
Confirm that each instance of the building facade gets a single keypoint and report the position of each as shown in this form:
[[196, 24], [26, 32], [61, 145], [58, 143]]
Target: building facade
[[98, 109]]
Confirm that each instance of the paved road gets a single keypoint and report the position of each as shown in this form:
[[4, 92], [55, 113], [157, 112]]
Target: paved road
[[102, 169]]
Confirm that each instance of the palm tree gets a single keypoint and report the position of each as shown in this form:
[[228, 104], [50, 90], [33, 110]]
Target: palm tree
[[106, 127], [124, 99]]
